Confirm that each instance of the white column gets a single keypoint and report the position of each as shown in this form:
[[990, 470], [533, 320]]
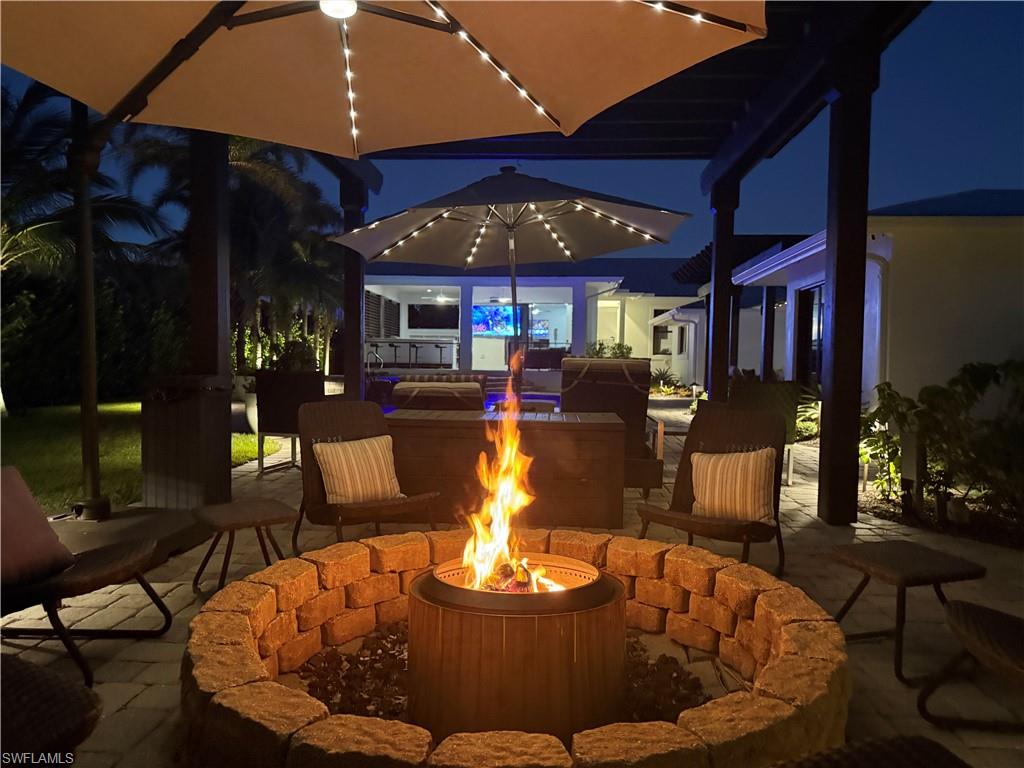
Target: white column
[[581, 320], [466, 328]]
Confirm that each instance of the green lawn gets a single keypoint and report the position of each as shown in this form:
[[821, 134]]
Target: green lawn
[[45, 445]]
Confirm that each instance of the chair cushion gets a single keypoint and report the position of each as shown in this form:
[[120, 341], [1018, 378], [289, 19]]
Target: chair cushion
[[29, 549], [734, 486], [358, 470]]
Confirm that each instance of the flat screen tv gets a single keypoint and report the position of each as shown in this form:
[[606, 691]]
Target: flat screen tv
[[436, 316], [496, 319]]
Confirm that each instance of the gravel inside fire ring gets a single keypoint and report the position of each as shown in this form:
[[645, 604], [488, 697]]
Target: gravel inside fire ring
[[368, 677]]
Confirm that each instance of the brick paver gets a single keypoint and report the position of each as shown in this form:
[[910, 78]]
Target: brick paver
[[137, 681]]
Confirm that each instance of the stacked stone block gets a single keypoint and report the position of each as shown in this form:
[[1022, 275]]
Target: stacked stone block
[[787, 647]]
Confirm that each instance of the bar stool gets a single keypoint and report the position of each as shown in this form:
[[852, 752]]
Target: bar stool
[[394, 353], [440, 355], [414, 353]]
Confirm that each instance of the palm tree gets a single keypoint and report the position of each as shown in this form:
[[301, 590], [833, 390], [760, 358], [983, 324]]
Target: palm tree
[[38, 218], [278, 222]]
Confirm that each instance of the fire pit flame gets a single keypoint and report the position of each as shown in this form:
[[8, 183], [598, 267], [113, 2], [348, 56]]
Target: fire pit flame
[[491, 557]]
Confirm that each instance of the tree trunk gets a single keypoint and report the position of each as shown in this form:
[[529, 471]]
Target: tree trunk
[[257, 327], [240, 346]]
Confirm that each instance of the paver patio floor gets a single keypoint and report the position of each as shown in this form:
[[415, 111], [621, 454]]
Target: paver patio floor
[[138, 680]]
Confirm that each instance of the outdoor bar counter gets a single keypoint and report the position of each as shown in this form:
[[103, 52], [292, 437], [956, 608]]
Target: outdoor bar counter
[[576, 474]]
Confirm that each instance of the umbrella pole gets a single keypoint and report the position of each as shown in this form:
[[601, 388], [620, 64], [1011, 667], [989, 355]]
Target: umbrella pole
[[516, 369], [83, 158]]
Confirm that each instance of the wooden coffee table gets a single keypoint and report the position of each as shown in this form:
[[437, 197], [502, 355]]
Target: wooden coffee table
[[902, 564]]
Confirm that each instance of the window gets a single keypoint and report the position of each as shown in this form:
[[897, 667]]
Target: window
[[683, 334], [810, 317], [660, 336]]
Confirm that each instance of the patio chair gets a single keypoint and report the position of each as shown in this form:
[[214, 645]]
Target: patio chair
[[344, 420], [39, 570], [993, 639], [278, 397], [717, 428], [622, 387], [781, 396], [43, 711], [893, 752]]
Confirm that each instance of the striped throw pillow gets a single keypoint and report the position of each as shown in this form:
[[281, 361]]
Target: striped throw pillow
[[734, 486], [358, 470]]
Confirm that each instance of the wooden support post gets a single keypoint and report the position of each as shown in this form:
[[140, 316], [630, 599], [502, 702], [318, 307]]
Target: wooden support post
[[353, 205], [209, 255], [768, 333], [725, 198], [855, 78], [707, 341], [736, 300]]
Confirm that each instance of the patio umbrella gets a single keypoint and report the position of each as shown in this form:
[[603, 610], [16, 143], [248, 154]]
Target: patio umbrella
[[512, 218], [347, 77]]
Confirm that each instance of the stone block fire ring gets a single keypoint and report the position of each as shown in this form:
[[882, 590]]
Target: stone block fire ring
[[494, 683]]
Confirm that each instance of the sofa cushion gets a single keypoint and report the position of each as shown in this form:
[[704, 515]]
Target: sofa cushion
[[29, 548], [358, 470], [735, 486]]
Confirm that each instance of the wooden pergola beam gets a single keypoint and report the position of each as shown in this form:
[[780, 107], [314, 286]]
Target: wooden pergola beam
[[801, 90]]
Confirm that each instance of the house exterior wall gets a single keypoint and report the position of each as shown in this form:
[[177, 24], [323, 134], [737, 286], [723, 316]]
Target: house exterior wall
[[749, 358], [939, 292], [595, 313], [956, 296]]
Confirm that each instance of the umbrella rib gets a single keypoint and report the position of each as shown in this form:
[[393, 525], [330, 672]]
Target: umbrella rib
[[702, 17], [349, 75], [632, 229], [503, 72], [498, 215], [412, 233], [542, 219]]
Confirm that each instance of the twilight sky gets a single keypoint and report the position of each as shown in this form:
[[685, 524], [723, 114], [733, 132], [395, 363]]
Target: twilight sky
[[948, 116]]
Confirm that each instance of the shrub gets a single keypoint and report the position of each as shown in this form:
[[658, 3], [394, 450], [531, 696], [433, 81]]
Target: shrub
[[663, 377], [880, 442]]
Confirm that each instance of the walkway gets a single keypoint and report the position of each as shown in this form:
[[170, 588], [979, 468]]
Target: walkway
[[138, 681]]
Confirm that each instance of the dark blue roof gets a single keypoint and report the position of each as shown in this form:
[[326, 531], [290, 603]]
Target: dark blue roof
[[974, 202], [639, 275]]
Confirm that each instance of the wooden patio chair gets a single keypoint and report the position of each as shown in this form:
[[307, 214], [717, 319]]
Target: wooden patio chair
[[622, 387], [48, 572], [717, 428], [343, 420]]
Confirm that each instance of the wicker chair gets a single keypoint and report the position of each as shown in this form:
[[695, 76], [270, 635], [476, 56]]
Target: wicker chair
[[336, 419], [894, 752], [622, 387], [42, 711], [993, 639], [717, 428]]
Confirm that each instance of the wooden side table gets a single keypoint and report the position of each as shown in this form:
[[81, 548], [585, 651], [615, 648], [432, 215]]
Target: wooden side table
[[902, 564]]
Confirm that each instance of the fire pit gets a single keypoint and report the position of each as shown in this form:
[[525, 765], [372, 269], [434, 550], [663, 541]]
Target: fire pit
[[498, 640], [547, 662]]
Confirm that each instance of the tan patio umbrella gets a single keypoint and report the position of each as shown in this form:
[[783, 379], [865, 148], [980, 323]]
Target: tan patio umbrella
[[391, 74], [512, 218]]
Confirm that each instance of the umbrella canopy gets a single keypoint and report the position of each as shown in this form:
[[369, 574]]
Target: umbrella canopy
[[394, 74], [541, 219]]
